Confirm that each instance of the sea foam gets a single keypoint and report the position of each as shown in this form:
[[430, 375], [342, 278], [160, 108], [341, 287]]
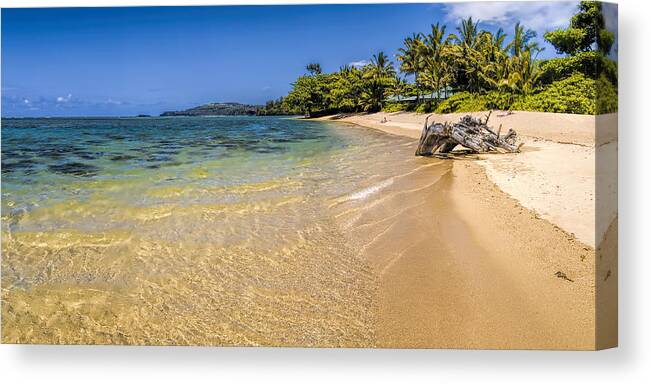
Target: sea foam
[[364, 193]]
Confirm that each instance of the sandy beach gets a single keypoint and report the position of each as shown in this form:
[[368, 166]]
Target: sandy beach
[[205, 199], [331, 234], [562, 192], [499, 251]]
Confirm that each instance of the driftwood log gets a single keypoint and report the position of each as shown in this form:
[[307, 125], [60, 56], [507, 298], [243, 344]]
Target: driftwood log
[[469, 132]]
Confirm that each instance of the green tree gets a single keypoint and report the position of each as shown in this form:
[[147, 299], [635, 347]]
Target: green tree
[[381, 68], [468, 32], [524, 72], [586, 31], [522, 40], [314, 69], [483, 69], [465, 59], [380, 76], [523, 68], [400, 86], [411, 59], [346, 91], [309, 94], [495, 59], [436, 67]]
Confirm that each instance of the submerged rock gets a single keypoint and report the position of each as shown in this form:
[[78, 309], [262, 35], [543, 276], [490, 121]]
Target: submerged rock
[[75, 168]]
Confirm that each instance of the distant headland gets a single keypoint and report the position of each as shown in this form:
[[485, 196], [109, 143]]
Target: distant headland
[[212, 109]]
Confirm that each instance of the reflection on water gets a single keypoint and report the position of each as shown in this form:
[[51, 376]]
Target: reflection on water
[[209, 231]]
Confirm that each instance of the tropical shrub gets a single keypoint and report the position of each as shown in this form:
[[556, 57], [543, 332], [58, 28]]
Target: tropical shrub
[[277, 107], [463, 102], [472, 102], [592, 64], [606, 96], [499, 100], [575, 94], [488, 69], [395, 107], [425, 107]]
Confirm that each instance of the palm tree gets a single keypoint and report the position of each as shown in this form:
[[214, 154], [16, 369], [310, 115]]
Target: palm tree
[[496, 44], [468, 32], [314, 69], [489, 61], [521, 40], [465, 57], [346, 93], [399, 87], [436, 66], [381, 67], [524, 72], [410, 58], [379, 74], [345, 69], [521, 73], [373, 95]]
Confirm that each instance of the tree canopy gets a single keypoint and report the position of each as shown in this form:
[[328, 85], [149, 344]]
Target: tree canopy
[[483, 69], [587, 32]]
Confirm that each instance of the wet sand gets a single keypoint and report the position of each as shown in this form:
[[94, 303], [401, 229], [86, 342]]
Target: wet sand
[[470, 266], [462, 265], [557, 168], [408, 253]]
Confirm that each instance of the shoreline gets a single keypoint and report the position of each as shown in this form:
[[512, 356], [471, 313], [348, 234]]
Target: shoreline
[[491, 266], [417, 252], [534, 177]]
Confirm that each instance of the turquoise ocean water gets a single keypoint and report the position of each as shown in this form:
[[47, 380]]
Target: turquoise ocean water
[[194, 230]]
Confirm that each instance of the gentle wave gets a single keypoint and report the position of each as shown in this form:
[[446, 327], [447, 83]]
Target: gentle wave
[[366, 192], [175, 225]]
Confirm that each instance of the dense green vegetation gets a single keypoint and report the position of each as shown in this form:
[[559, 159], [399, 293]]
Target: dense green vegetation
[[477, 69], [216, 109]]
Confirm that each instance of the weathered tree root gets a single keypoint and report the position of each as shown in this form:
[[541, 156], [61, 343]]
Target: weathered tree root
[[469, 132]]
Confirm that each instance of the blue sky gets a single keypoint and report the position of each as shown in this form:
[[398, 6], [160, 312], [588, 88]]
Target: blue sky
[[124, 61]]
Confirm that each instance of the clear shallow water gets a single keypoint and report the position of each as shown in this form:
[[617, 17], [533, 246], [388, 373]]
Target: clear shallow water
[[208, 230], [148, 162]]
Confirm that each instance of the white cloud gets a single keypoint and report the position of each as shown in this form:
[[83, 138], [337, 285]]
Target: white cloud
[[64, 99], [359, 64], [537, 15]]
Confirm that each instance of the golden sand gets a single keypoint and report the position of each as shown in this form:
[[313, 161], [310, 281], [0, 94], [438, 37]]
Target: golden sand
[[476, 267], [424, 253], [562, 156]]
